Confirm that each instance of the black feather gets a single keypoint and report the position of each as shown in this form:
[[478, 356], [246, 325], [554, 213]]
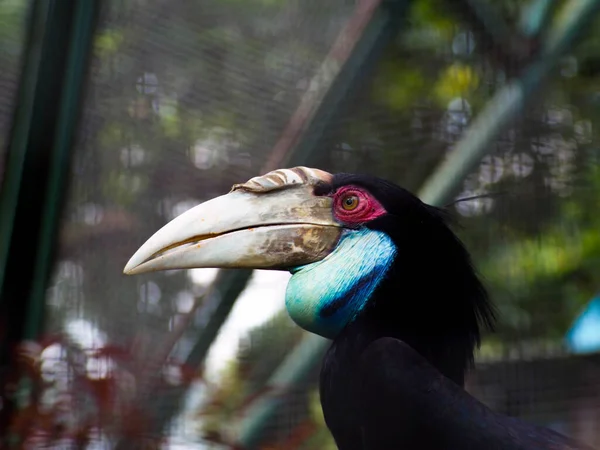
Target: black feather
[[393, 378]]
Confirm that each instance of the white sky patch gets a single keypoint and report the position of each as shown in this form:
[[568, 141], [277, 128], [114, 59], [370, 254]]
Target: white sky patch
[[85, 334], [263, 297]]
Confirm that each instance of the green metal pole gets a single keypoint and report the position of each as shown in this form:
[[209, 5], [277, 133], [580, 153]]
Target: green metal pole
[[342, 75], [22, 123], [440, 187], [535, 17], [68, 113], [38, 156]]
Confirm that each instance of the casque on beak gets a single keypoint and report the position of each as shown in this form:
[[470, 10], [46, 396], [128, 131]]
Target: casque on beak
[[270, 222]]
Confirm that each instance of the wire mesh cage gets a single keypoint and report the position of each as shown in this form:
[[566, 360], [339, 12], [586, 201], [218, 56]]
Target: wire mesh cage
[[184, 100]]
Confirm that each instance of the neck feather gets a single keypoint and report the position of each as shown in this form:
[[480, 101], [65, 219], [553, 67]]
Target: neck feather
[[432, 299]]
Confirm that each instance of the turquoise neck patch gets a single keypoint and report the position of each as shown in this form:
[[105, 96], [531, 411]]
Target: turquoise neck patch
[[325, 296]]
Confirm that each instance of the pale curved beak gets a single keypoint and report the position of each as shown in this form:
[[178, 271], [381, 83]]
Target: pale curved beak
[[259, 225]]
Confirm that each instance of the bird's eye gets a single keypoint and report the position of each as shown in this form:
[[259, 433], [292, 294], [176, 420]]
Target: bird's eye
[[350, 202], [354, 206]]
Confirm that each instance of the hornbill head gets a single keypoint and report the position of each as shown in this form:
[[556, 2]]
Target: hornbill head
[[347, 240]]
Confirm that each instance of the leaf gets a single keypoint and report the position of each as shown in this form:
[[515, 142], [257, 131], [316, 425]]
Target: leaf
[[458, 80]]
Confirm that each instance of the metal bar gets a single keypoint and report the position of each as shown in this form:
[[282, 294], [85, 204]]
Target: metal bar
[[68, 112], [38, 156], [15, 160], [353, 56], [536, 16], [440, 187]]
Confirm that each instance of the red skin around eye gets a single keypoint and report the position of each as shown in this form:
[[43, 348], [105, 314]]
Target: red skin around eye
[[368, 207]]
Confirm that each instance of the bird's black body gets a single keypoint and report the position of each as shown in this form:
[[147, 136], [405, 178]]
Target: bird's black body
[[393, 378], [395, 399], [380, 273]]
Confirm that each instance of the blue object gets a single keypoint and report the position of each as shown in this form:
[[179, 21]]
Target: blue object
[[584, 334], [324, 301]]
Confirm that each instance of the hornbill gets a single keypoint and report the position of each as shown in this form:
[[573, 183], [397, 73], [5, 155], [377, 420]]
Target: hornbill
[[382, 275]]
